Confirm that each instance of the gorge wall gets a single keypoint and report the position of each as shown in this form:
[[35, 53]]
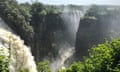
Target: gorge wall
[[95, 27]]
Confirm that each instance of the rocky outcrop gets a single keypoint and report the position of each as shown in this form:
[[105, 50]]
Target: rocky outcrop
[[94, 29], [44, 37]]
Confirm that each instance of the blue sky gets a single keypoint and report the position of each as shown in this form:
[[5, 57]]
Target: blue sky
[[77, 2]]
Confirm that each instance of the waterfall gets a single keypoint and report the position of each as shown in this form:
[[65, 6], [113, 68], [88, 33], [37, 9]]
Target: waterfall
[[71, 21], [66, 46], [19, 54], [65, 52]]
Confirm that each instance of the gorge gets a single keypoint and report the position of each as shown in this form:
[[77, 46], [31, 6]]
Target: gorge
[[59, 34]]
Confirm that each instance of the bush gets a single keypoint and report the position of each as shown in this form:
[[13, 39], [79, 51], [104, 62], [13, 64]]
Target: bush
[[43, 67], [4, 60]]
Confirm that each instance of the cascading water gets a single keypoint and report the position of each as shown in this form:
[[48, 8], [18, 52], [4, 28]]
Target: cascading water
[[71, 21], [65, 52], [66, 47], [20, 55]]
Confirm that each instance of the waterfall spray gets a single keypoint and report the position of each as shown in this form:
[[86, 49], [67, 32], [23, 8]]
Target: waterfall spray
[[71, 20], [20, 55], [66, 47], [65, 52]]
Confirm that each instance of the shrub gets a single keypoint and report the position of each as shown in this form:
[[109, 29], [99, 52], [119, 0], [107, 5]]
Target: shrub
[[4, 59], [43, 67]]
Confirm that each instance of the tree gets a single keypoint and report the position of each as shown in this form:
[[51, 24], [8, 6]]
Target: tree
[[17, 18]]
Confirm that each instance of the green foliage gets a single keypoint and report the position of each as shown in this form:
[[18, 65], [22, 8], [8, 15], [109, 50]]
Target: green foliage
[[24, 70], [17, 18], [25, 11], [38, 13], [100, 59], [103, 58], [75, 67], [4, 61], [43, 67], [91, 18], [38, 10]]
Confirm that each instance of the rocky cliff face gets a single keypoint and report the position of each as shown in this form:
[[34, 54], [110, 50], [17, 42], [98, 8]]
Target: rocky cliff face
[[44, 40], [93, 29]]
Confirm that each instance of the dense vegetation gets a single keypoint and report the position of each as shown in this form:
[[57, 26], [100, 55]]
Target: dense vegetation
[[17, 18], [36, 23], [4, 60], [33, 23]]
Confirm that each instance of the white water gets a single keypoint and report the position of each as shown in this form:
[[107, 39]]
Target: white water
[[71, 20], [66, 50], [20, 55]]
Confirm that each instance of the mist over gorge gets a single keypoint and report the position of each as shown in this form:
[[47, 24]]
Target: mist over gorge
[[60, 34]]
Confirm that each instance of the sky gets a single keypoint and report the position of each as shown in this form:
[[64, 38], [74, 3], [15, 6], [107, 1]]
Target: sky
[[76, 2]]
